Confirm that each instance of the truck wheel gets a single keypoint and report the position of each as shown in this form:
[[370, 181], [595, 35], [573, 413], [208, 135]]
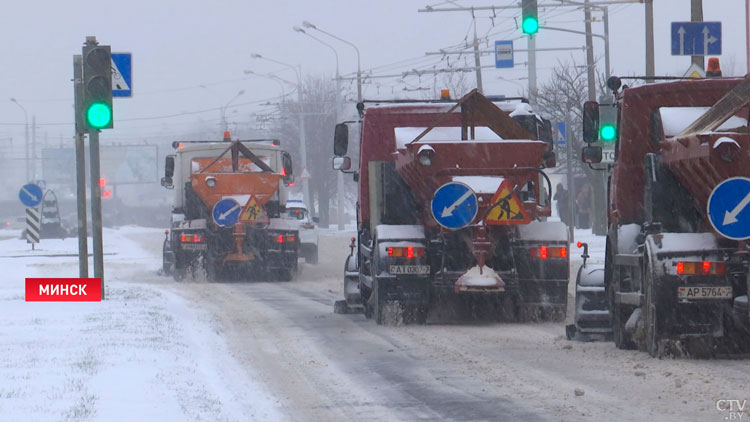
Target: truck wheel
[[377, 304], [622, 339], [312, 258], [653, 337]]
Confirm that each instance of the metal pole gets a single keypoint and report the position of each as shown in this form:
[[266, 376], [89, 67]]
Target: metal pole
[[477, 61], [33, 148], [696, 15], [96, 207], [650, 66], [571, 184], [747, 39], [25, 136], [83, 248], [532, 69], [605, 19], [590, 70]]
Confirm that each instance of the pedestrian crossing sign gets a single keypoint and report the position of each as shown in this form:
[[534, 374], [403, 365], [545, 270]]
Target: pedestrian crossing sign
[[254, 212], [506, 208]]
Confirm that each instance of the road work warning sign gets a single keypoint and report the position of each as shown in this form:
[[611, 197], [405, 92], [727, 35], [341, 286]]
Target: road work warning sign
[[254, 212], [506, 207]]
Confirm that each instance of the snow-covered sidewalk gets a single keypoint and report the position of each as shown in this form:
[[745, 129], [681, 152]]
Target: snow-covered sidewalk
[[143, 354]]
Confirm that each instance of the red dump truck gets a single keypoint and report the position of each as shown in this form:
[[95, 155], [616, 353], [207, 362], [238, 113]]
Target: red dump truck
[[676, 264], [452, 202]]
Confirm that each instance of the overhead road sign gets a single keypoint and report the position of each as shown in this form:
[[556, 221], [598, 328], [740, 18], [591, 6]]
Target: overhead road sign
[[504, 54], [696, 38], [728, 208], [122, 74], [506, 207], [226, 212], [30, 195], [254, 212], [454, 205]]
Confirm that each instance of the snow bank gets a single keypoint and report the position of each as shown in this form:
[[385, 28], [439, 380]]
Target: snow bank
[[544, 231], [399, 232], [142, 354], [676, 119]]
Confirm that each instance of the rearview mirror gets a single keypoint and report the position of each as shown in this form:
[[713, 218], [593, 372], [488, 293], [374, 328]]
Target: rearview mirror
[[591, 155], [590, 122], [549, 159], [169, 167], [167, 182], [342, 163], [286, 163], [341, 140]]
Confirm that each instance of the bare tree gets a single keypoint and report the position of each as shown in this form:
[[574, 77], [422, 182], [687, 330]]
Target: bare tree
[[317, 115], [561, 99]]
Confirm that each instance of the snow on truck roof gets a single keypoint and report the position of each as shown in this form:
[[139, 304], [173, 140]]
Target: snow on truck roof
[[507, 106], [676, 119], [405, 135]]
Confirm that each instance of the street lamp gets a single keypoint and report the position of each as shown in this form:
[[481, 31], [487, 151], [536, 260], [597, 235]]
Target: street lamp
[[25, 134], [274, 78], [301, 116], [307, 24], [224, 109]]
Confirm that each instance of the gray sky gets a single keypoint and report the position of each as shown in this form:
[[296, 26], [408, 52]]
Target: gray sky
[[180, 45]]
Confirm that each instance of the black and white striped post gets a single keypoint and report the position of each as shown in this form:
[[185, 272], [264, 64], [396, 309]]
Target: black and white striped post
[[33, 226]]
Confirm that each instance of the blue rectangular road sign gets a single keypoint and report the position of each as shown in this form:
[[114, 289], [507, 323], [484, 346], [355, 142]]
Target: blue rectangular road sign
[[696, 38], [122, 75], [503, 54], [561, 129]]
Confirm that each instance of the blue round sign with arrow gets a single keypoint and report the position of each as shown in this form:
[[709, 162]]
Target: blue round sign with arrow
[[226, 212], [454, 205], [30, 195], [728, 209]]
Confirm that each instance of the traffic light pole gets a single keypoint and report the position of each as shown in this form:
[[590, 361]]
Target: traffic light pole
[[96, 206], [83, 253]]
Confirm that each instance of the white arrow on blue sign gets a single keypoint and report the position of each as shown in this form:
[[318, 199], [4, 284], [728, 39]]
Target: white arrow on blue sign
[[122, 75], [696, 38], [728, 209], [30, 195], [454, 205], [226, 212]]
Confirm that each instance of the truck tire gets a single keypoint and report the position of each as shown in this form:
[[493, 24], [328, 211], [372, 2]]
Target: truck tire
[[312, 257], [653, 338], [376, 304], [622, 339]]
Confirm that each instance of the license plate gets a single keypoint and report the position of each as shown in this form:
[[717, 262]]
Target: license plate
[[704, 292], [410, 269], [194, 246]]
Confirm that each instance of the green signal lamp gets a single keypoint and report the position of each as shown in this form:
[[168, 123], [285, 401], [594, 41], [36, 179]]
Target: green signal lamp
[[530, 25], [607, 133], [99, 115]]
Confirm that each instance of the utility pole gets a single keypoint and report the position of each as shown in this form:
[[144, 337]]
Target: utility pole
[[83, 249], [650, 67], [477, 61], [532, 69], [590, 71], [34, 174], [696, 15]]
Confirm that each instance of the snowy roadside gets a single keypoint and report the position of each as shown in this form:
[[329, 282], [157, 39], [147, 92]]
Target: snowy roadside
[[143, 353]]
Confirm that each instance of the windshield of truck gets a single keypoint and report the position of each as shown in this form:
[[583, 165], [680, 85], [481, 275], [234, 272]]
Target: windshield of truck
[[676, 119], [224, 165]]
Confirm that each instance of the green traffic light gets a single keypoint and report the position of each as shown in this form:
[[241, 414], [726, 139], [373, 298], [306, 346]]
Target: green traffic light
[[530, 25], [607, 133], [99, 115]]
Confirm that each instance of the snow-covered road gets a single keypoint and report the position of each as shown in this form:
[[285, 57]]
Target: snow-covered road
[[273, 350]]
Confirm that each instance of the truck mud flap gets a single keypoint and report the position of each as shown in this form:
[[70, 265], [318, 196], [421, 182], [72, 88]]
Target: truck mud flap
[[412, 291]]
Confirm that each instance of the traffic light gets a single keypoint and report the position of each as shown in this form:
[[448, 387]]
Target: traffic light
[[607, 122], [529, 17], [97, 86]]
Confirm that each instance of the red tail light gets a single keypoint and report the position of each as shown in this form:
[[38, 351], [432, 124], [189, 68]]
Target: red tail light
[[280, 238], [545, 252], [408, 252], [702, 267], [192, 238]]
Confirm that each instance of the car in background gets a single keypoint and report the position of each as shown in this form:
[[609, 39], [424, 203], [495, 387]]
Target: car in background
[[308, 229]]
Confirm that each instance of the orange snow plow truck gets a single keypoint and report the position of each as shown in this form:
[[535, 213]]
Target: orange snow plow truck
[[229, 196], [451, 212]]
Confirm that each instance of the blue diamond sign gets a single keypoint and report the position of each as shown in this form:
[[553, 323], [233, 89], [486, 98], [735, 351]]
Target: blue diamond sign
[[122, 75]]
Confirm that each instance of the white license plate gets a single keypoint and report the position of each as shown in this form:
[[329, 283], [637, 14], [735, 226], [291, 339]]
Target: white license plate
[[410, 269], [194, 246], [704, 292]]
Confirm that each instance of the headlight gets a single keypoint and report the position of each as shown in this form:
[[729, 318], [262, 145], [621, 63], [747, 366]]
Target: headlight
[[210, 181], [425, 155]]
